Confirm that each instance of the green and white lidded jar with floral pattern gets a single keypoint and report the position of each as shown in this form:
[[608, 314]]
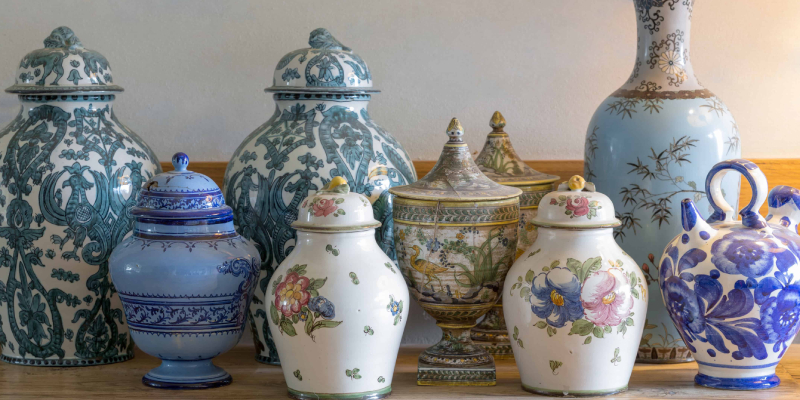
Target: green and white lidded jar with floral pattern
[[337, 304], [71, 171], [320, 130], [575, 302]]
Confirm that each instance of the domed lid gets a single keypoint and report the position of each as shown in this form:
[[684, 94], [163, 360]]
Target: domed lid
[[575, 204], [500, 162], [181, 194], [335, 208], [63, 66], [455, 177], [327, 66]]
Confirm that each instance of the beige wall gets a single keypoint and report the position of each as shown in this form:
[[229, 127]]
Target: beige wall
[[194, 70]]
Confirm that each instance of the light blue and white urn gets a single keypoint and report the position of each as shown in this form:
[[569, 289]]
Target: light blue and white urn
[[649, 146], [185, 278], [71, 171], [733, 287], [320, 129]]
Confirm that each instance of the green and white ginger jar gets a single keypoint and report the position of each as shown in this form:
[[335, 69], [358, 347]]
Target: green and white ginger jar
[[320, 130], [70, 174]]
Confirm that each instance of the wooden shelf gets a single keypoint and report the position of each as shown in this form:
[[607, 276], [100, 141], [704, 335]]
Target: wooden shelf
[[254, 380]]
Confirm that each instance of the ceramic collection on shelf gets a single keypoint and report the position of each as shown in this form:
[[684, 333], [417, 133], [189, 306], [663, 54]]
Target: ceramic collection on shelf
[[71, 171], [499, 162], [456, 237], [185, 278], [321, 129], [731, 287], [337, 290], [575, 302], [650, 144]]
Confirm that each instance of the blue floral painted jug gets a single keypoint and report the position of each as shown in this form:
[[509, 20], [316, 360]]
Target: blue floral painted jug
[[733, 287], [185, 278]]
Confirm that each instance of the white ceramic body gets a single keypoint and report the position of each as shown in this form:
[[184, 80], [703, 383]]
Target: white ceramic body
[[75, 213], [323, 361], [591, 368]]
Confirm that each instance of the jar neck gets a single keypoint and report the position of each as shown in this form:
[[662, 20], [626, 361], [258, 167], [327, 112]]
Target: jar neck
[[558, 236], [96, 101], [359, 240], [662, 56], [180, 229], [320, 102]]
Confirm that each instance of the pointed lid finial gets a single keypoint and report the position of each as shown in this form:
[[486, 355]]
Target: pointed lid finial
[[500, 162], [455, 131], [498, 122], [455, 177]]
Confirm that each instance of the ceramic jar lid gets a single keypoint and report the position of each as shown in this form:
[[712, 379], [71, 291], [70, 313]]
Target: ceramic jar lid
[[63, 66], [455, 177], [335, 209], [498, 160], [181, 194], [327, 66], [576, 204]]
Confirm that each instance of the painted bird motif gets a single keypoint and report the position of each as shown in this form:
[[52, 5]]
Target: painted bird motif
[[427, 268]]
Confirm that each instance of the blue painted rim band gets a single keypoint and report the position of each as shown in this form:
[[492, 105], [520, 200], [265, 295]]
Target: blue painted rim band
[[738, 366]]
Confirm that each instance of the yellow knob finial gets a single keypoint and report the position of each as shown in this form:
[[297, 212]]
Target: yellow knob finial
[[455, 131], [498, 122], [336, 181], [577, 182]]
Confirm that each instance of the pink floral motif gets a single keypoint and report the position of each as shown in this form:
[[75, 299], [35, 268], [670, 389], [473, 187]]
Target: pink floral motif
[[606, 297], [292, 294], [324, 207], [578, 205]]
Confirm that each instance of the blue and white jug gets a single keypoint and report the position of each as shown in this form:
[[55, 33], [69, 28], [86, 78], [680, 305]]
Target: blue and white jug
[[733, 287]]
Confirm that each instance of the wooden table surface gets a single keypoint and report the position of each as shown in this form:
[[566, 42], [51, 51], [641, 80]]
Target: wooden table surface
[[252, 380]]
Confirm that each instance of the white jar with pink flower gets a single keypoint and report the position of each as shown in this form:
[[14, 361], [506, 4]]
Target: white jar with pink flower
[[575, 302]]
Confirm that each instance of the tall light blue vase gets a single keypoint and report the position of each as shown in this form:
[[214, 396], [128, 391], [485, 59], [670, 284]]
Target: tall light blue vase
[[650, 145]]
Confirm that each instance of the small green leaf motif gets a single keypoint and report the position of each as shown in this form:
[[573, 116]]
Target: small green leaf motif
[[551, 331], [542, 325], [273, 312], [588, 340], [300, 269], [598, 332], [554, 365], [352, 373], [533, 253], [390, 266], [582, 327], [381, 379], [529, 276], [276, 283], [616, 358], [354, 278], [297, 375], [368, 331], [330, 249]]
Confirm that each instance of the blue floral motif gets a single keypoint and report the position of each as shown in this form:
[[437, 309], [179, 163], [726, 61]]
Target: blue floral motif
[[289, 74], [750, 252], [323, 306], [703, 313], [556, 297], [780, 315]]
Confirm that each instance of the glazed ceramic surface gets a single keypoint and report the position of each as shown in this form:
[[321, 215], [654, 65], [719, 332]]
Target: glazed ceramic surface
[[575, 302], [337, 291], [649, 145], [731, 287], [320, 129], [499, 162], [185, 278], [456, 236], [70, 173]]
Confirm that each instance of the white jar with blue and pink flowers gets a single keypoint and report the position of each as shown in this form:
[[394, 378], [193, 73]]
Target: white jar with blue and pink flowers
[[575, 302]]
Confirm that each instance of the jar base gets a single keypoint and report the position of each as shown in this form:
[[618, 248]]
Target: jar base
[[267, 360], [370, 395], [751, 383], [187, 375], [664, 355], [74, 362], [455, 375], [576, 393]]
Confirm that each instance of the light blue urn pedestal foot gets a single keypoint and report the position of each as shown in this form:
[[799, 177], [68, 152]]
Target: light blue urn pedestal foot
[[751, 383], [180, 375]]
